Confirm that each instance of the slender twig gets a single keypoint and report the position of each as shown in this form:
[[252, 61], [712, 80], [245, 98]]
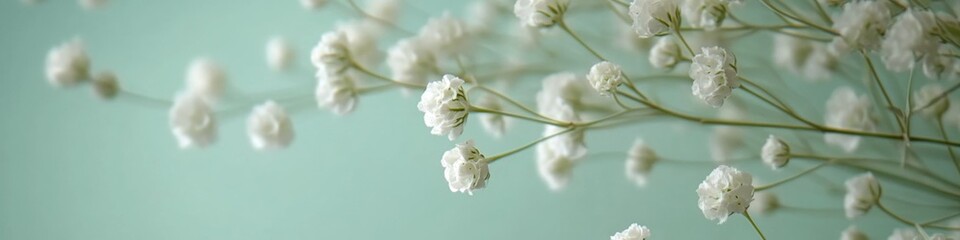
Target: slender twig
[[791, 178], [943, 132], [755, 227], [563, 25]]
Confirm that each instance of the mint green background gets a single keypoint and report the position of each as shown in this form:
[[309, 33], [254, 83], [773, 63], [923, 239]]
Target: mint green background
[[74, 167]]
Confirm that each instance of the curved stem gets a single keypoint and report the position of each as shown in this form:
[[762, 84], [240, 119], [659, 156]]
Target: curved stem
[[514, 115], [802, 20], [513, 102], [953, 156], [373, 74], [684, 41], [563, 25], [526, 146], [791, 178], [755, 227], [144, 99]]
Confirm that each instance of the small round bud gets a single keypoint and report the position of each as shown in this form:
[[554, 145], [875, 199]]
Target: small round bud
[[105, 85]]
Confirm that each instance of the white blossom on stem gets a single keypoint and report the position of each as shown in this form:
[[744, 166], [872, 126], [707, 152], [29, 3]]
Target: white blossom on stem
[[192, 121], [206, 79], [926, 95], [846, 110], [67, 64], [539, 13], [279, 53], [336, 91], [465, 168], [410, 61], [605, 77], [862, 193], [665, 53], [764, 203], [775, 153], [640, 160], [557, 156], [821, 64], [445, 35], [724, 192], [361, 41], [652, 17], [269, 126], [909, 38], [905, 234], [708, 14], [105, 85], [714, 74], [861, 25], [331, 54], [852, 233], [445, 107], [633, 232]]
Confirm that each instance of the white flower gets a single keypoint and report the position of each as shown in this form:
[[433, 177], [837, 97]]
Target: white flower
[[495, 124], [67, 64], [775, 152], [557, 156], [387, 10], [665, 53], [192, 121], [708, 14], [791, 52], [724, 142], [640, 160], [554, 168], [481, 14], [445, 35], [714, 74], [361, 41], [331, 53], [336, 91], [269, 127], [935, 65], [605, 77], [910, 37], [92, 4], [464, 168], [445, 106], [904, 234], [928, 93], [566, 87], [105, 85], [410, 62], [846, 110], [313, 4], [206, 79], [939, 236], [279, 53], [860, 25], [821, 64], [724, 192], [862, 193], [539, 13], [852, 233], [633, 232], [652, 17], [764, 203]]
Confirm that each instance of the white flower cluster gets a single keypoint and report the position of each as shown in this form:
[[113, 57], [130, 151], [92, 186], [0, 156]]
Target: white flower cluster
[[557, 156], [811, 60], [633, 232], [909, 38], [852, 233], [465, 168], [775, 153], [665, 53], [605, 77], [640, 160], [280, 53], [269, 127], [862, 193], [539, 13], [708, 14], [495, 124], [724, 192], [445, 35], [714, 74], [926, 96], [445, 107], [206, 79], [410, 61], [846, 110], [68, 64], [861, 25], [192, 121], [335, 86], [652, 17]]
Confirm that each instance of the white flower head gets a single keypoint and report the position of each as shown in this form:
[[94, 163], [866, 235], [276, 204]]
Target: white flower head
[[846, 110], [942, 65], [557, 156], [905, 234], [653, 17], [633, 232], [714, 74], [821, 64], [206, 79], [313, 4], [105, 85], [444, 106], [554, 167], [861, 26], [481, 14], [862, 193], [708, 14], [724, 192], [92, 4], [495, 124], [775, 153], [279, 53], [640, 160], [67, 64], [192, 121], [724, 142], [387, 10], [331, 54], [539, 13], [563, 87], [269, 127], [605, 77], [361, 41], [926, 95], [909, 38], [410, 61], [852, 233], [336, 91], [465, 168], [791, 52], [445, 35], [665, 53], [764, 203]]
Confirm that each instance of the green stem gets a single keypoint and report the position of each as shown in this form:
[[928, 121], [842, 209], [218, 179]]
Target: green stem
[[939, 97], [514, 102], [684, 41], [953, 156], [373, 74], [915, 178], [563, 25], [476, 109], [755, 227], [802, 20], [526, 146], [883, 89], [791, 178]]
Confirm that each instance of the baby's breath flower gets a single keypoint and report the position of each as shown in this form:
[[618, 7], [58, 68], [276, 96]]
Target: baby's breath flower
[[633, 232], [708, 14], [905, 234], [764, 203], [269, 126], [724, 142], [846, 110], [410, 62], [910, 37], [862, 193], [279, 53], [336, 91], [331, 54], [465, 168], [860, 25], [445, 106], [539, 13], [724, 192], [714, 74], [791, 52], [640, 160], [928, 93], [652, 17], [444, 35], [67, 64], [775, 152], [665, 53], [605, 77], [105, 85], [495, 124], [206, 79], [852, 233], [192, 121]]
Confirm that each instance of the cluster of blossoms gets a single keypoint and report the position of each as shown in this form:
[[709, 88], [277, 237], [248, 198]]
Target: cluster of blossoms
[[726, 191], [846, 110], [465, 168], [714, 74], [633, 232], [862, 193]]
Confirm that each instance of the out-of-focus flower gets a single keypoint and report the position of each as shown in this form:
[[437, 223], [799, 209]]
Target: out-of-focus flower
[[821, 64], [557, 156], [764, 203], [92, 4], [910, 37], [465, 168], [313, 4], [791, 52], [633, 232], [775, 153], [860, 25], [539, 13], [862, 193], [665, 53], [926, 95], [708, 14], [652, 17], [410, 62], [445, 107], [852, 233], [444, 35], [846, 110], [495, 124], [904, 234], [331, 54], [206, 79], [640, 160], [724, 142], [192, 121], [269, 127], [724, 192], [336, 91], [279, 53], [714, 74], [605, 77], [67, 64], [105, 85]]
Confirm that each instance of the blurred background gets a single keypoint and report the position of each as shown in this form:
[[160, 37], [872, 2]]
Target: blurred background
[[76, 167]]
